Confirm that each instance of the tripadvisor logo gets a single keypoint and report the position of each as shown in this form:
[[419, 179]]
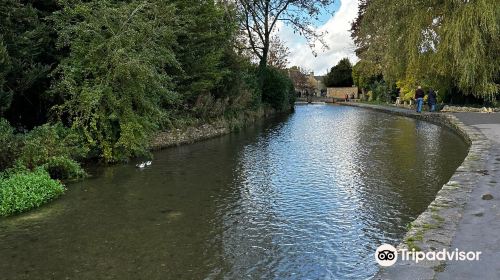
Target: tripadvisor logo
[[387, 255]]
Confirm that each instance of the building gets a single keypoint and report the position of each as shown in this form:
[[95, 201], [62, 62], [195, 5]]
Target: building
[[340, 92], [317, 84], [307, 84]]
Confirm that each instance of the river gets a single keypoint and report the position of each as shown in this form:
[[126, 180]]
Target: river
[[305, 196]]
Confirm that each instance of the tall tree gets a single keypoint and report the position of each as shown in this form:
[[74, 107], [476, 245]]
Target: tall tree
[[340, 75], [446, 44], [205, 35], [364, 74], [259, 18], [114, 80]]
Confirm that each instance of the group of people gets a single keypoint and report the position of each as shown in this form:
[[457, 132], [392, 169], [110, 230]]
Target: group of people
[[431, 99], [349, 97]]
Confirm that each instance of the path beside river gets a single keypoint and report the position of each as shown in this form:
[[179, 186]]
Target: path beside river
[[479, 229]]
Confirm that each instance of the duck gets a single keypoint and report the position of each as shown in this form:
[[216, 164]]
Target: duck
[[141, 165], [148, 163]]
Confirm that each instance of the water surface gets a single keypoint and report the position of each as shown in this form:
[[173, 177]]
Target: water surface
[[306, 196]]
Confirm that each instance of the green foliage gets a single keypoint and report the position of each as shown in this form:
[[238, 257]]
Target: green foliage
[[407, 88], [5, 66], [471, 45], [9, 145], [47, 141], [237, 91], [365, 73], [63, 168], [449, 45], [114, 80], [117, 71], [204, 39], [26, 57], [277, 89], [380, 91], [340, 75], [240, 82], [23, 191]]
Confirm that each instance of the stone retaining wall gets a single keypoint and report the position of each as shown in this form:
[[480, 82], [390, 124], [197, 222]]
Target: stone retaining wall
[[340, 92], [188, 135], [435, 228]]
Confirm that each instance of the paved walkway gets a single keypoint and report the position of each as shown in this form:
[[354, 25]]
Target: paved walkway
[[479, 228]]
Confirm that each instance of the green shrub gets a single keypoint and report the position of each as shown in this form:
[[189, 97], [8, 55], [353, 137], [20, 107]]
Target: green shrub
[[277, 89], [64, 168], [47, 141], [9, 145], [112, 82], [23, 191], [380, 91]]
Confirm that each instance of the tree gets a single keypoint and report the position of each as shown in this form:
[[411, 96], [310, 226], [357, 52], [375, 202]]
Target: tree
[[26, 58], [277, 89], [299, 77], [340, 75], [259, 18], [205, 35], [447, 44], [365, 73], [114, 80], [278, 53]]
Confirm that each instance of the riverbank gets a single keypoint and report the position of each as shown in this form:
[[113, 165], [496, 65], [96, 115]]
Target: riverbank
[[465, 211], [203, 131], [480, 225]]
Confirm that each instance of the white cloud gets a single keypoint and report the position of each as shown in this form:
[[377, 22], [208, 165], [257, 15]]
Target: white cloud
[[338, 40]]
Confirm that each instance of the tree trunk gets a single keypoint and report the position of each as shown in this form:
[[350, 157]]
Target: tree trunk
[[263, 60]]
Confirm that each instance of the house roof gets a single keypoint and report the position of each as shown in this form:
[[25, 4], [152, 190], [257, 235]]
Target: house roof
[[319, 78]]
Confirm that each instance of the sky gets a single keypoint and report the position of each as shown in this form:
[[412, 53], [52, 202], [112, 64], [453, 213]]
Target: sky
[[338, 39]]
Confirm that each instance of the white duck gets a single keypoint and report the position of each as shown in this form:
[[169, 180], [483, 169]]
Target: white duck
[[141, 165], [148, 163]]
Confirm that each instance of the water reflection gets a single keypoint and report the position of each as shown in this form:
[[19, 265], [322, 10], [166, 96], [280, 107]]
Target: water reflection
[[306, 196]]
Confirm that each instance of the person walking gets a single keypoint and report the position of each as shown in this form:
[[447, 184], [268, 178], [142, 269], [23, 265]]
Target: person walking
[[419, 98], [432, 100]]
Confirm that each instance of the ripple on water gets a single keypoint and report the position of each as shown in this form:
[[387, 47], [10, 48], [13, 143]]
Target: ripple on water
[[309, 196]]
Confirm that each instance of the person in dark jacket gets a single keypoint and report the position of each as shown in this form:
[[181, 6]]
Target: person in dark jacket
[[419, 98], [432, 100]]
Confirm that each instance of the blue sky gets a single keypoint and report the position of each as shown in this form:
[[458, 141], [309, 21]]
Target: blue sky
[[338, 39], [324, 17]]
